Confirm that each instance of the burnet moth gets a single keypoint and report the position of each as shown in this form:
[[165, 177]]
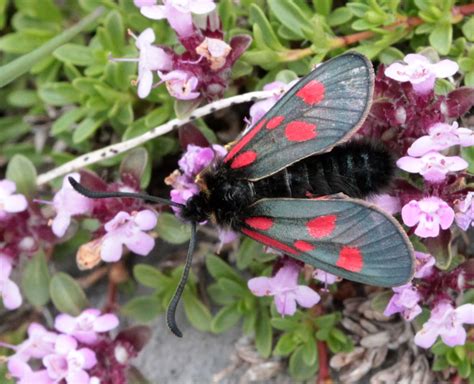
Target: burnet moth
[[294, 183]]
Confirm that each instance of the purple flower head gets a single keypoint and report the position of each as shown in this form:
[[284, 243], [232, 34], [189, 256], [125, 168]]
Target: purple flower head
[[284, 286], [67, 203], [420, 72], [181, 84], [428, 215], [69, 363], [442, 136], [10, 202], [433, 166], [9, 291], [215, 51], [128, 229], [177, 12], [465, 212], [404, 301], [195, 159], [151, 59], [325, 277], [87, 325], [447, 322], [424, 265], [226, 236], [40, 342]]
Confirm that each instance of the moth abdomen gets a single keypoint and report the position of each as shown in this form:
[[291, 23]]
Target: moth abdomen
[[356, 169]]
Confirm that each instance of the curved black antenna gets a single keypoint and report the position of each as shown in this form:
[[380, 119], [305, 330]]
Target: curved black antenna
[[171, 311], [102, 195]]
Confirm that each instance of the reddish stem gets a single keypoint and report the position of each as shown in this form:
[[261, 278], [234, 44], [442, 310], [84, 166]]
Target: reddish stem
[[323, 374], [408, 22]]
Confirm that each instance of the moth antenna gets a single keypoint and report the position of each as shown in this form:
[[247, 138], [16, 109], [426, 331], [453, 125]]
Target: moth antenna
[[102, 195], [171, 311]]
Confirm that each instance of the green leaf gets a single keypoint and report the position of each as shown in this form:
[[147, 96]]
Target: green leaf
[[75, 54], [66, 294], [23, 64], [310, 354], [323, 7], [12, 127], [67, 120], [184, 108], [443, 87], [380, 301], [172, 230], [218, 268], [196, 312], [327, 321], [35, 280], [267, 33], [284, 323], [86, 128], [248, 251], [58, 94], [143, 308], [22, 171], [291, 16], [116, 31], [22, 98], [286, 344], [263, 333], [440, 363], [219, 296], [297, 368], [150, 276], [441, 37], [339, 16], [468, 29], [238, 289], [225, 319], [464, 368]]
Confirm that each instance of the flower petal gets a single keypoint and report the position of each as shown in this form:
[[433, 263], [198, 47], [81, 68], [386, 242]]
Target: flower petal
[[260, 286], [145, 84], [306, 297], [11, 295], [65, 323], [421, 146], [465, 313], [456, 336], [410, 164], [15, 203], [146, 220], [140, 243], [106, 322], [397, 71], [444, 68], [426, 337], [154, 12], [112, 249], [60, 224], [90, 358]]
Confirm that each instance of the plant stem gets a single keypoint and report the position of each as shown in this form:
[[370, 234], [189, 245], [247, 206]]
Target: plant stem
[[323, 374], [116, 149], [407, 22], [23, 64]]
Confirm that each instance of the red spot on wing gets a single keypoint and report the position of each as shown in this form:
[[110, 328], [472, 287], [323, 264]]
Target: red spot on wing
[[263, 223], [312, 93], [303, 245], [300, 131], [350, 258], [275, 122], [321, 226], [243, 159], [244, 140], [269, 241]]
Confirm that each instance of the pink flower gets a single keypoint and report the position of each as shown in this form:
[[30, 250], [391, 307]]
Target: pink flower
[[10, 202], [442, 136], [22, 371], [181, 84], [325, 277], [69, 363], [465, 212], [404, 301], [284, 286], [424, 265], [87, 325], [195, 159], [128, 230], [215, 51], [390, 204], [9, 291], [177, 12], [259, 108], [433, 166], [428, 215], [420, 72], [151, 59], [67, 203], [226, 236], [445, 321], [40, 343]]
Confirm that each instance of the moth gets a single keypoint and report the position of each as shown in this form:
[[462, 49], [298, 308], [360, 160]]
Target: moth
[[294, 182]]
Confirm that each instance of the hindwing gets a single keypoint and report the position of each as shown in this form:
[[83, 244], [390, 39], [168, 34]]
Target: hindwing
[[322, 110], [347, 237]]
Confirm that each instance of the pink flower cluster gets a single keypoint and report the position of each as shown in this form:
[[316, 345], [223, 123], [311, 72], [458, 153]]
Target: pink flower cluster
[[203, 69], [67, 356]]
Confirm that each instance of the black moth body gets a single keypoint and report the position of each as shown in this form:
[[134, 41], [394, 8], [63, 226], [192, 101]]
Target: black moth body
[[357, 169], [295, 182]]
